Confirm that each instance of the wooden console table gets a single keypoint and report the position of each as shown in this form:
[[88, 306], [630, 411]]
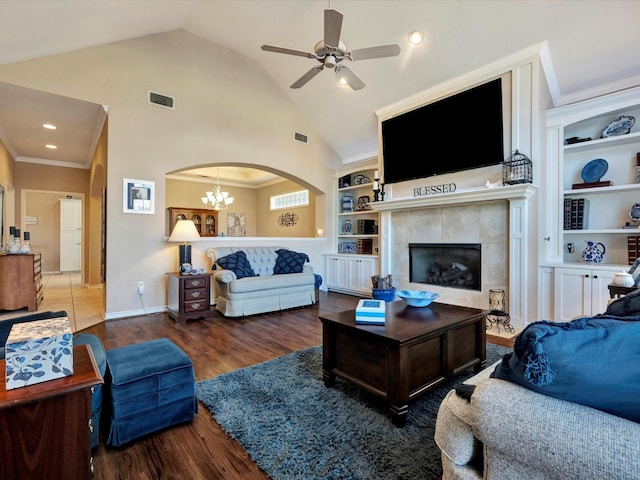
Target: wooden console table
[[45, 428], [20, 281]]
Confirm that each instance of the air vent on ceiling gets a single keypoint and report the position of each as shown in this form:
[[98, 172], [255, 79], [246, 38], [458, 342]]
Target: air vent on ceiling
[[300, 137], [161, 100]]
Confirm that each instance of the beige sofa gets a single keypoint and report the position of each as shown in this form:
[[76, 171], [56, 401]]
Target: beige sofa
[[265, 292], [509, 432]]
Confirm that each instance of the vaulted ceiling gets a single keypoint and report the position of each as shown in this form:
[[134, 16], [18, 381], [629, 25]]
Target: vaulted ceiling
[[592, 47]]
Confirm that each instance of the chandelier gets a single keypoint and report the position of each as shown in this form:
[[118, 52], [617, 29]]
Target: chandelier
[[216, 199]]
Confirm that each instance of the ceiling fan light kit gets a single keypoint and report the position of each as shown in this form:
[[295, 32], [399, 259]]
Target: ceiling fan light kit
[[416, 37], [331, 52]]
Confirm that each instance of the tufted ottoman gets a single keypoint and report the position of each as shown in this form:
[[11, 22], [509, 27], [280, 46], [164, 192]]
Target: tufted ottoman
[[151, 387]]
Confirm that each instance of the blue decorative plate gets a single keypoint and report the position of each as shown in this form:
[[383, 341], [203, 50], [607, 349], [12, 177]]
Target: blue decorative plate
[[620, 126], [594, 170]]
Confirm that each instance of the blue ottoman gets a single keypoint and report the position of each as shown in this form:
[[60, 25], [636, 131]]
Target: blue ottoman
[[96, 397], [151, 387]]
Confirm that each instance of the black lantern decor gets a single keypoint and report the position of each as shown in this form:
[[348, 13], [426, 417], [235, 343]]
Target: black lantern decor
[[516, 169]]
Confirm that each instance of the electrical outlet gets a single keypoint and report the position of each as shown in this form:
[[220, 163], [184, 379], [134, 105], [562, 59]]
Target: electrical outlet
[[140, 288]]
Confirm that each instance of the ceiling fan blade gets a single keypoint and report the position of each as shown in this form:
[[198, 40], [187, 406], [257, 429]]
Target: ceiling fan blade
[[375, 52], [288, 51], [352, 79], [307, 76], [332, 27]]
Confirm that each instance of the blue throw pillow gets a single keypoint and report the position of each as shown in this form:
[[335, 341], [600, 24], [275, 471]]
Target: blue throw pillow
[[238, 264], [289, 261], [591, 361]]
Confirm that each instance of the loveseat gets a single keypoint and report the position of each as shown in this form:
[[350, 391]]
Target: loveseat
[[565, 404], [252, 280]]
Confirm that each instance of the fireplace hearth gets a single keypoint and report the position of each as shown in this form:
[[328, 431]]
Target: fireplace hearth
[[455, 265]]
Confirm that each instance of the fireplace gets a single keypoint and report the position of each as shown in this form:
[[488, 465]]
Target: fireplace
[[455, 265]]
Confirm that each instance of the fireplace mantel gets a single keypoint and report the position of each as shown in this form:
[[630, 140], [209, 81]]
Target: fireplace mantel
[[469, 195], [521, 224]]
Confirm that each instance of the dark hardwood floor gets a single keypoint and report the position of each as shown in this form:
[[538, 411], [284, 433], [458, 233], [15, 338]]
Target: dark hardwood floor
[[201, 450]]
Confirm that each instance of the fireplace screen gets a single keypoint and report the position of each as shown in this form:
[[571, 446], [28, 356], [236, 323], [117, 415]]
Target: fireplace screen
[[455, 265]]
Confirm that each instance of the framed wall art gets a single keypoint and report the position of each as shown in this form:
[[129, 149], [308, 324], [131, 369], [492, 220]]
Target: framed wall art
[[138, 196]]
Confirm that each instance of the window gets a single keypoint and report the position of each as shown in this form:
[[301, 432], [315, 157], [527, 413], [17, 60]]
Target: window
[[289, 200]]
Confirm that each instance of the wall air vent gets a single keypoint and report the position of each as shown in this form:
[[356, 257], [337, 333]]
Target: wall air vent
[[161, 100], [300, 137]]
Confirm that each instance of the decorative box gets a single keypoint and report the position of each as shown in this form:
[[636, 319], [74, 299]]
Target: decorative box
[[38, 351], [371, 312]]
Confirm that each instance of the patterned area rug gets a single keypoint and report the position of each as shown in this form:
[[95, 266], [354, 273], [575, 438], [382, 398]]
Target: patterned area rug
[[295, 428]]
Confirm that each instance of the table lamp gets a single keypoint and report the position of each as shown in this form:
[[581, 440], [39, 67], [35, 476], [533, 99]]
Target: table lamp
[[184, 231]]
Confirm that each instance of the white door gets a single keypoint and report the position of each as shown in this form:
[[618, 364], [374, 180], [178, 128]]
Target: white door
[[572, 296], [70, 235]]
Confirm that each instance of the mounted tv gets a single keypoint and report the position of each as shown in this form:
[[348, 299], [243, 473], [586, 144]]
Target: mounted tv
[[457, 133]]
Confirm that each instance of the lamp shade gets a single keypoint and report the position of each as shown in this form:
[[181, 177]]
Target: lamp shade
[[184, 231]]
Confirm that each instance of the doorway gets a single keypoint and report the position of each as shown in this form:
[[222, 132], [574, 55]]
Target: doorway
[[70, 235]]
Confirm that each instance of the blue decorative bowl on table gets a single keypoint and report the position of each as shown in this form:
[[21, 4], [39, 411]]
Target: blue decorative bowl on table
[[388, 295], [417, 298]]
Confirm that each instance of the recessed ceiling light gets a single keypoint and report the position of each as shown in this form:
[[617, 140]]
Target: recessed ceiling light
[[416, 37], [49, 126], [52, 147]]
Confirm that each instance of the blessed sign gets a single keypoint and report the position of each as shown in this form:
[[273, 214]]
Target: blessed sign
[[434, 190]]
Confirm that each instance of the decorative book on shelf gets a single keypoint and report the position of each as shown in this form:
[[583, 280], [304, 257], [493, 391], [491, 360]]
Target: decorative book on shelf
[[633, 243], [370, 312], [603, 183], [576, 214]]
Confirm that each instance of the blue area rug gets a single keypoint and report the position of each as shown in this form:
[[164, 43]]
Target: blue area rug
[[295, 428]]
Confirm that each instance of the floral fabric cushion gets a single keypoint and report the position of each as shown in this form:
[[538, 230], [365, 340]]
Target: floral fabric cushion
[[289, 261], [238, 264]]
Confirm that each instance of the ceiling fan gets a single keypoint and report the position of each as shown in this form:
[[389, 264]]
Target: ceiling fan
[[331, 52]]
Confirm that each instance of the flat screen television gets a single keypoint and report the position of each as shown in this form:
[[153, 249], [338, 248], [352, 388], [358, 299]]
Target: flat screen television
[[460, 132]]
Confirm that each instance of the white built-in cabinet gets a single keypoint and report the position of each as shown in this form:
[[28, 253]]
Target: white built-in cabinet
[[580, 292], [580, 288], [350, 273], [349, 269]]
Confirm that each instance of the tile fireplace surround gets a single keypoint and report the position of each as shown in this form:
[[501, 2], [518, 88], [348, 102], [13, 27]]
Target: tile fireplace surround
[[497, 218]]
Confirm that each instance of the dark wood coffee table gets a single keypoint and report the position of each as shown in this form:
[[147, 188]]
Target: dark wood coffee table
[[416, 349]]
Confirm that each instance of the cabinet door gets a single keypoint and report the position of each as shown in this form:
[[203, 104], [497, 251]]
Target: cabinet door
[[572, 298], [197, 221], [210, 225], [336, 270], [360, 272], [580, 292], [599, 291]]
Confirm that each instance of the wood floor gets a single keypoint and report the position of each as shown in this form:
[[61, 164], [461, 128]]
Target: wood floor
[[199, 450]]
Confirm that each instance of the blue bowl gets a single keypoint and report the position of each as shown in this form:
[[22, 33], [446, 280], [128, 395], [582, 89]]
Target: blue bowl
[[417, 298], [386, 295]]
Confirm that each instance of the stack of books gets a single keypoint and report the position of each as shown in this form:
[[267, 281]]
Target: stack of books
[[370, 312], [576, 213], [364, 246], [633, 243]]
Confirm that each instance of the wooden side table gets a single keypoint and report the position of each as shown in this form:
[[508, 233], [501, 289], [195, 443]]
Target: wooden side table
[[45, 428], [189, 296], [617, 292]]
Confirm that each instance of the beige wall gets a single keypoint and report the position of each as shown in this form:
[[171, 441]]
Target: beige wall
[[7, 182], [268, 219], [228, 111], [41, 187], [253, 202]]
